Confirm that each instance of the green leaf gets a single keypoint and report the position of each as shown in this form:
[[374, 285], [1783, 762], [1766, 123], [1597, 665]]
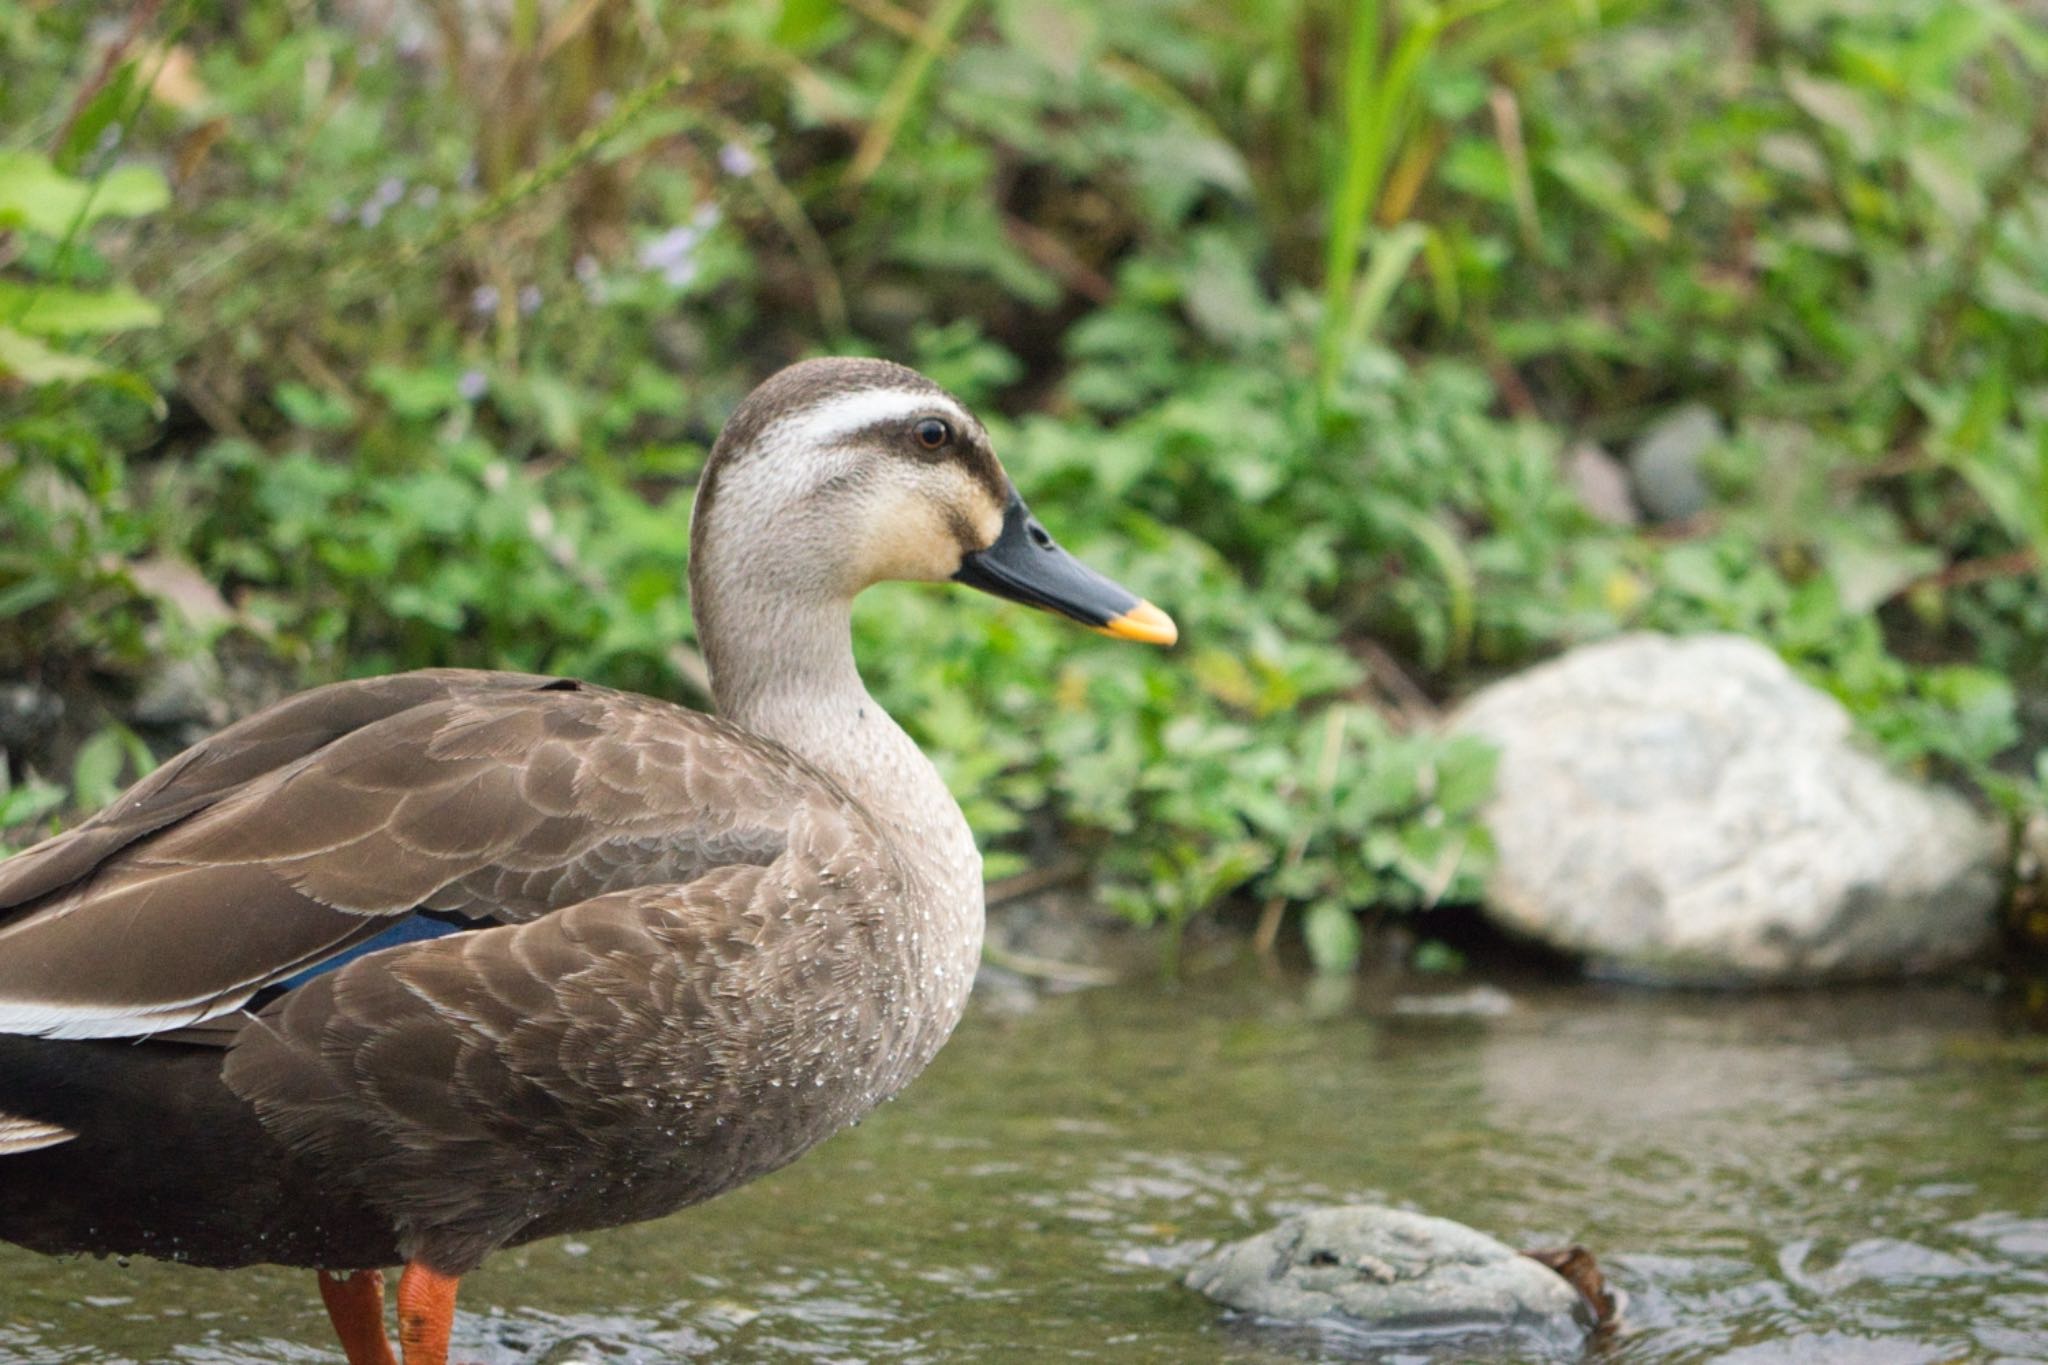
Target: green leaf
[[1333, 936], [1464, 774], [96, 774], [53, 311], [1869, 571], [1437, 958], [312, 409], [32, 800], [802, 22], [1224, 299], [418, 393], [99, 114], [129, 192], [26, 595], [1461, 583], [32, 362], [36, 195], [1602, 183], [1389, 254], [1837, 106]]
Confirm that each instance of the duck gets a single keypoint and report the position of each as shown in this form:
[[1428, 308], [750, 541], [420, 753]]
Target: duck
[[405, 970]]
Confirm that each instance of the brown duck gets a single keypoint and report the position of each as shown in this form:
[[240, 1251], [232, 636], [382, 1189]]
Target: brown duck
[[410, 969]]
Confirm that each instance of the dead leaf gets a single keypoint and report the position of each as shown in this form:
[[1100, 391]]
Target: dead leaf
[[1581, 1271], [177, 84]]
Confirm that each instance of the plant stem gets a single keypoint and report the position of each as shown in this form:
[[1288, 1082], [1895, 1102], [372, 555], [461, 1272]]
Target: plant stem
[[903, 87]]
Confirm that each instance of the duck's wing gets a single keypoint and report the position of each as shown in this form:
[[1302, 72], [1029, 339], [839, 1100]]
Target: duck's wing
[[216, 766], [315, 825]]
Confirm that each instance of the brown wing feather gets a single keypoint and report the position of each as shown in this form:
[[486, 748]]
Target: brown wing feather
[[295, 835]]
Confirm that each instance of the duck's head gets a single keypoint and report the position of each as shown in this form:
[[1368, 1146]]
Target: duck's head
[[836, 474]]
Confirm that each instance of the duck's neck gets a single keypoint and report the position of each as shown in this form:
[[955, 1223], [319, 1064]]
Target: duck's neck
[[785, 671]]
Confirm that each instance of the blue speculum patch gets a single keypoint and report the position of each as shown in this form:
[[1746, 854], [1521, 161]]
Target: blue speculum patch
[[414, 928]]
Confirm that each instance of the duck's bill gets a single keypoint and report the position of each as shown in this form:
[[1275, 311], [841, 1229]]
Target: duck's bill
[[1026, 565]]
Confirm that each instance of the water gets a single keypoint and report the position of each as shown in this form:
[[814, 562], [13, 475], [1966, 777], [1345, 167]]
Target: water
[[1841, 1177]]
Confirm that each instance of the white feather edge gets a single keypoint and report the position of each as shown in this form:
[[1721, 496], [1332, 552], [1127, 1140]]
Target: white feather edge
[[41, 1019], [18, 1135]]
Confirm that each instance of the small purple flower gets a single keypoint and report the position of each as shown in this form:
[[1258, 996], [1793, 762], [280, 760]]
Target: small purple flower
[[673, 254], [591, 276], [483, 300], [670, 247], [472, 385], [390, 190], [529, 300], [426, 196], [737, 160], [370, 214]]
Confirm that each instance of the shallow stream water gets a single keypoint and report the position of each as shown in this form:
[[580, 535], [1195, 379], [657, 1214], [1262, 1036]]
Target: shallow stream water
[[1853, 1176]]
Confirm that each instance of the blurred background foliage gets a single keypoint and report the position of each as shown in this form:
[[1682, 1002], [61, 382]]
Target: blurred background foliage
[[1389, 345]]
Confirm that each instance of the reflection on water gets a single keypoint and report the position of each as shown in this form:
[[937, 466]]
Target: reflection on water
[[1851, 1177]]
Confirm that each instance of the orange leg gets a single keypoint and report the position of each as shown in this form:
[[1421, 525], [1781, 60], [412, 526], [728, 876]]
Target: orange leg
[[355, 1305], [426, 1313]]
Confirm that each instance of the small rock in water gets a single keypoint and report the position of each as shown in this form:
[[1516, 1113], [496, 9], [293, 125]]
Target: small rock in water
[[1381, 1270]]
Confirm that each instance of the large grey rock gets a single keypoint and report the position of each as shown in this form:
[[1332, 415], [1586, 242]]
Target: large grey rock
[[1386, 1270], [1688, 810]]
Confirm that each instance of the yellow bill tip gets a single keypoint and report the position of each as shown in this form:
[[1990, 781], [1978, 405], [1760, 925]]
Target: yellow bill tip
[[1144, 623]]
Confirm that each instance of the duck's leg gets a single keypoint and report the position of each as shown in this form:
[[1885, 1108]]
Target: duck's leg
[[355, 1305], [426, 1313]]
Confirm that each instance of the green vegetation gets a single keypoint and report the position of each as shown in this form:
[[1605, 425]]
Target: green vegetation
[[1296, 315]]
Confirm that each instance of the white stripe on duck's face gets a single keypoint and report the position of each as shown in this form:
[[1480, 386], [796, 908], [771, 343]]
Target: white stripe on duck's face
[[825, 425]]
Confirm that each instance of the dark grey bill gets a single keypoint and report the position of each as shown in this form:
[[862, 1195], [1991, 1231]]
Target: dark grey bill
[[1026, 565]]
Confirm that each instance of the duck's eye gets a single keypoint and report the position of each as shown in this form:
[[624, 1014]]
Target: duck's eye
[[931, 433]]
